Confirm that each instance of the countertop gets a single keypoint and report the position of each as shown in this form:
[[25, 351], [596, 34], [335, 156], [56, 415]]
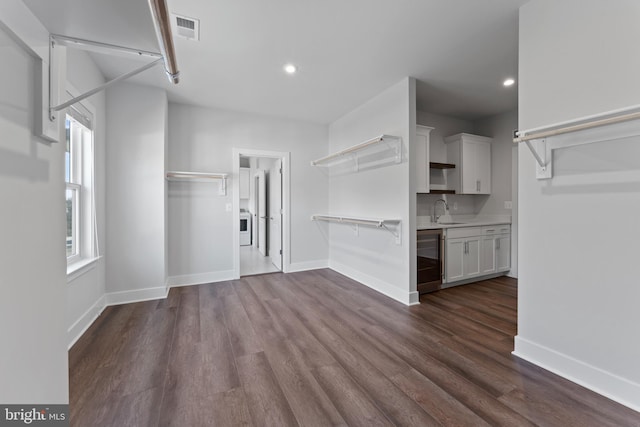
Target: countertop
[[424, 223]]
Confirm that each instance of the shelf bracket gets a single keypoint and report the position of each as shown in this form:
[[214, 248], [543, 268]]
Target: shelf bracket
[[100, 47], [541, 150], [396, 145], [397, 233]]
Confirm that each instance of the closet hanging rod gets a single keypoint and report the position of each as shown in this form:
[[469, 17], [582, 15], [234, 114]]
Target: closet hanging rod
[[612, 117], [195, 175], [162, 25], [393, 226], [354, 220], [354, 148]]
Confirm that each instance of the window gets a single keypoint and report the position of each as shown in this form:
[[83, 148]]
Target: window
[[80, 237]]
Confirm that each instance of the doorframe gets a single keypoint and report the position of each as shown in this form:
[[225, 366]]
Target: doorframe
[[286, 202]]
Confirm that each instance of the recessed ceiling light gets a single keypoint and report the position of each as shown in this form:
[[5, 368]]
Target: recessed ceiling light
[[290, 68], [508, 82]]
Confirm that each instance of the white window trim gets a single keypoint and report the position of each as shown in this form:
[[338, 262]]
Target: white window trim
[[89, 253]]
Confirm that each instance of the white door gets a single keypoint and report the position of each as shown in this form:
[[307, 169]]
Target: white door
[[488, 255], [469, 162], [454, 257], [255, 210], [472, 259], [503, 252], [262, 213], [275, 214], [483, 167]]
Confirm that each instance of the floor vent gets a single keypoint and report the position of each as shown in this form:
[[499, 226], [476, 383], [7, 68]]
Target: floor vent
[[186, 27]]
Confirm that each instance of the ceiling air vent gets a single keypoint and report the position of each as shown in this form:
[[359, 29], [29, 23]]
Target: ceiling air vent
[[189, 28]]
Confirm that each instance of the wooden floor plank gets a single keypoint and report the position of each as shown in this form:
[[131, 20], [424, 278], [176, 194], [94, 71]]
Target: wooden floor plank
[[446, 409], [267, 403], [308, 401], [244, 339], [317, 348], [353, 403]]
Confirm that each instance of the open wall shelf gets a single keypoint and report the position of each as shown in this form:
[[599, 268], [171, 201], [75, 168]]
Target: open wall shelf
[[200, 177], [384, 143], [434, 165], [435, 191], [391, 225]]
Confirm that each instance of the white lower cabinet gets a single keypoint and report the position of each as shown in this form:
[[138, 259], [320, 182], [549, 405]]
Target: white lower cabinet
[[462, 254], [477, 251], [488, 264], [503, 252]]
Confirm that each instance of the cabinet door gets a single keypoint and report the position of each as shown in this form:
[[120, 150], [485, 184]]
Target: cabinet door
[[472, 258], [503, 252], [483, 167], [468, 172], [454, 257], [488, 255], [244, 183], [422, 159]]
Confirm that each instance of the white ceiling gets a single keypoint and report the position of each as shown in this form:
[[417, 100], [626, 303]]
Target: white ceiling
[[346, 51]]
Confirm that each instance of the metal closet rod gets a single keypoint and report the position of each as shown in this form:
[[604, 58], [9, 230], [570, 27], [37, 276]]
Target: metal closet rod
[[162, 24], [597, 120]]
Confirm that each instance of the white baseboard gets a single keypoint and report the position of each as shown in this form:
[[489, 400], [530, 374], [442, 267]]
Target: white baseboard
[[414, 298], [405, 297], [82, 324], [612, 386], [137, 295], [199, 279], [308, 265]]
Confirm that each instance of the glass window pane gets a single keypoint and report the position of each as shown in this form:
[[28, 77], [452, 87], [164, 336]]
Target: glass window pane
[[71, 223], [67, 154]]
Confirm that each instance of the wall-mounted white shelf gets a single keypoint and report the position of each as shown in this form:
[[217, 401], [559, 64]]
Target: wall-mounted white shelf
[[608, 126], [391, 142], [394, 226], [200, 177]]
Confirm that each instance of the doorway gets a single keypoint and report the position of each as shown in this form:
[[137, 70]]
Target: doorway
[[260, 207]]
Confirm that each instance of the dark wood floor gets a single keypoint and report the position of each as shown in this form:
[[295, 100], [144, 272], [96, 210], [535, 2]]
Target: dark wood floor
[[318, 349]]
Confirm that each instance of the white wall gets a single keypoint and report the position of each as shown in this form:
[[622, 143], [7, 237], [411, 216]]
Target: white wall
[[85, 292], [33, 359], [593, 40], [578, 284], [372, 257], [504, 174], [200, 229], [135, 244]]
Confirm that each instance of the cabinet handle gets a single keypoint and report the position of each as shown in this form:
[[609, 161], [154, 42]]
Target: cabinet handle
[[478, 186], [466, 247], [498, 244]]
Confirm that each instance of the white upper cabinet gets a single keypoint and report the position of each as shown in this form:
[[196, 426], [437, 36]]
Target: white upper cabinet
[[422, 158], [244, 182], [472, 157]]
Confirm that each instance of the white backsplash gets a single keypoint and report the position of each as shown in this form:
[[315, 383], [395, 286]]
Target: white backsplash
[[465, 204]]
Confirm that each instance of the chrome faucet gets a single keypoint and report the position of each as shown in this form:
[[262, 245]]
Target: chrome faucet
[[446, 207]]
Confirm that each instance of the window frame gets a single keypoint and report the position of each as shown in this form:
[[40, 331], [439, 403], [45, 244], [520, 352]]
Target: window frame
[[82, 184]]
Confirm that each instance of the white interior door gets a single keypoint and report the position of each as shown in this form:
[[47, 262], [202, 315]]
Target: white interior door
[[255, 184], [275, 214], [262, 213]]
